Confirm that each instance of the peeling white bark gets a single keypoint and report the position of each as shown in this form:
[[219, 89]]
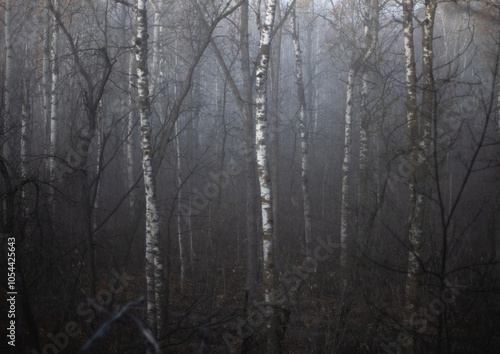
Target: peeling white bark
[[261, 147], [413, 255], [263, 171], [154, 267], [344, 208]]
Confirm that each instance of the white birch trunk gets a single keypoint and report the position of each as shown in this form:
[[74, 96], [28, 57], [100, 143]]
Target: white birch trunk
[[363, 187], [154, 274], [54, 53], [304, 140], [363, 142], [419, 141], [344, 207], [263, 172], [353, 71]]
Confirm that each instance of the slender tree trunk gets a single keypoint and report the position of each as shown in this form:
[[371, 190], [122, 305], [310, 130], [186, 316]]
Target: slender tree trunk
[[25, 124], [193, 138], [250, 168], [353, 71], [347, 257], [497, 234], [269, 276], [365, 212], [154, 270], [179, 201], [244, 101], [54, 53], [98, 168], [363, 188], [179, 175], [155, 67], [192, 255], [8, 81], [310, 86], [92, 98], [304, 139], [46, 82], [154, 267], [131, 120], [26, 308], [215, 254], [274, 133], [419, 143], [344, 208]]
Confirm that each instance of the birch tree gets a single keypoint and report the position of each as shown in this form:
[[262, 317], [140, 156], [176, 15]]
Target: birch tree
[[268, 265], [46, 83], [419, 135], [54, 59], [155, 63], [157, 283], [244, 99], [154, 267], [131, 123], [353, 72]]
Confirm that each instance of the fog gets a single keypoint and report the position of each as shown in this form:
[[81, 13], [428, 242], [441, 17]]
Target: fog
[[250, 176]]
